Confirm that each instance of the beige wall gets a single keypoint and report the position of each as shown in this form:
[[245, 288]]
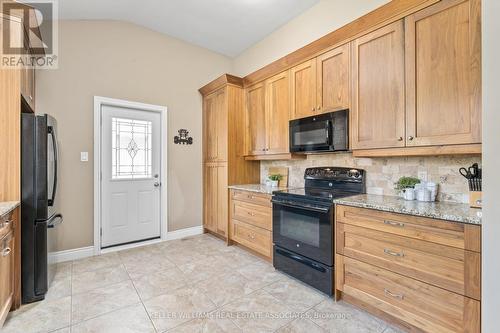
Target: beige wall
[[124, 61], [319, 20], [491, 140]]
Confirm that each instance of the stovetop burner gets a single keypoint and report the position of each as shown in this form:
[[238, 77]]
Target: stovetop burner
[[326, 184]]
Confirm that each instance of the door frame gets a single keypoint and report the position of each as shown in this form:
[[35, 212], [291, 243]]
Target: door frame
[[98, 103]]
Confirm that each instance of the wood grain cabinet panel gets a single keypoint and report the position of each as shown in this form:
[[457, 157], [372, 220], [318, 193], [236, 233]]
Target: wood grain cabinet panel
[[252, 197], [443, 69], [256, 119], [441, 266], [256, 215], [254, 238], [277, 113], [222, 211], [423, 306], [210, 198], [303, 90], [6, 275], [333, 80], [378, 105]]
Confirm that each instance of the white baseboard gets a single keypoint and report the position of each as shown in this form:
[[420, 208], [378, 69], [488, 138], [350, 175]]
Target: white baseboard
[[73, 254], [85, 252], [183, 233]]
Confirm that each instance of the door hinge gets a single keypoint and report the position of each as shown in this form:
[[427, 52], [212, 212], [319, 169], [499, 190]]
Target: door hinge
[[101, 232]]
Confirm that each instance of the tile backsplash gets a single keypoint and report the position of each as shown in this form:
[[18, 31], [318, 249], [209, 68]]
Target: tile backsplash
[[382, 173]]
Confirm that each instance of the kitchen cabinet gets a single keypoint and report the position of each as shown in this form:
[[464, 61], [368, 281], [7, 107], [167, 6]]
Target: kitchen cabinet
[[256, 119], [251, 221], [215, 127], [321, 84], [277, 113], [421, 273], [224, 150], [216, 198], [303, 93], [268, 115], [10, 264], [333, 79], [378, 105], [443, 69]]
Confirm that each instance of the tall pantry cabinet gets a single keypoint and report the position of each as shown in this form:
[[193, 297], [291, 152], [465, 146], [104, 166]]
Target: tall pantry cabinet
[[223, 150]]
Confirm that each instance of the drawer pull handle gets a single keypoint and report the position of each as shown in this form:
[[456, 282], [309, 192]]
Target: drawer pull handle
[[6, 252], [394, 224], [393, 253], [398, 296], [5, 223], [251, 236], [251, 214]]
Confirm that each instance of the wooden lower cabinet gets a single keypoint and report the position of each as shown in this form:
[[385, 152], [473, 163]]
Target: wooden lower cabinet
[[8, 267], [251, 221], [215, 199], [420, 273]]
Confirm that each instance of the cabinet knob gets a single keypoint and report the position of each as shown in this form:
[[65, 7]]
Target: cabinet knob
[[411, 138], [400, 138], [6, 251], [313, 109], [319, 107]]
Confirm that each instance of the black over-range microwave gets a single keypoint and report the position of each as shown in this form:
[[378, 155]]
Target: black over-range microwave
[[327, 132]]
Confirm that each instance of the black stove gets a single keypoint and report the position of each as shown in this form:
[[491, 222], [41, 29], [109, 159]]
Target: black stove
[[303, 224]]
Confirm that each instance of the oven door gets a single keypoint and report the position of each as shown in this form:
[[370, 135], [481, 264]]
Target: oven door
[[304, 228]]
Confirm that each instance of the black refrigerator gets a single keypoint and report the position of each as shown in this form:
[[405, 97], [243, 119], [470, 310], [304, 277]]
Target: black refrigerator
[[39, 203]]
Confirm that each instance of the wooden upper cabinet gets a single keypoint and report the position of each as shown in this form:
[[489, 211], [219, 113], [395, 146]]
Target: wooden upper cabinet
[[256, 119], [378, 105], [333, 80], [303, 90], [443, 68], [278, 113], [215, 127]]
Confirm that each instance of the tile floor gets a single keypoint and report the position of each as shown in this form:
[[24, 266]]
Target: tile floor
[[193, 285]]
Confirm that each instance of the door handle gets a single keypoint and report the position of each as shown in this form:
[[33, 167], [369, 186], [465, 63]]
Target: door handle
[[157, 184]]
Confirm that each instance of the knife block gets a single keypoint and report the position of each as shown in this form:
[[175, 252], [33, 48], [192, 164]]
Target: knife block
[[476, 199]]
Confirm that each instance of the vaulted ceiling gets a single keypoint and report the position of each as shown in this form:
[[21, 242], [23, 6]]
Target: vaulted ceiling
[[224, 26]]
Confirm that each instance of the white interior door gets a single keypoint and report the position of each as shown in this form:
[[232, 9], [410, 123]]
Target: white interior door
[[131, 179]]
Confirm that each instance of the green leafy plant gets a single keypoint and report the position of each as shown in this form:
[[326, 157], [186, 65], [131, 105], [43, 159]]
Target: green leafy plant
[[275, 177], [406, 182]]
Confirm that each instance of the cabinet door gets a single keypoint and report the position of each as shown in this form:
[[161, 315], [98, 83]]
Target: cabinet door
[[28, 77], [215, 121], [378, 106], [210, 198], [278, 113], [222, 200], [303, 82], [443, 65], [256, 119], [210, 127], [6, 275], [333, 88]]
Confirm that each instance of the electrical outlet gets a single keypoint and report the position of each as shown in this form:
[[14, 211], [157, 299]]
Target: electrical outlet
[[422, 175]]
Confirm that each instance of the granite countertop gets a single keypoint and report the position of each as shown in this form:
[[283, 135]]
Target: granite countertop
[[454, 212], [7, 207], [257, 188]]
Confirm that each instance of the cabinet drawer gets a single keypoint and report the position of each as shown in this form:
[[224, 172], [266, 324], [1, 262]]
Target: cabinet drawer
[[447, 267], [257, 239], [457, 235], [6, 224], [256, 215], [6, 275], [251, 197], [426, 307]]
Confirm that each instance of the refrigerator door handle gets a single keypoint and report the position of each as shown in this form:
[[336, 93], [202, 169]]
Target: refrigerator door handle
[[55, 148], [55, 221]]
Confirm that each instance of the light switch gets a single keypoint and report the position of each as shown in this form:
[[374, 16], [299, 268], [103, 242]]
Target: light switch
[[84, 156]]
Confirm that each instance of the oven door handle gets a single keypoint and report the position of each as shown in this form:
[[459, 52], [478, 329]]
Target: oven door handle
[[314, 209], [301, 260]]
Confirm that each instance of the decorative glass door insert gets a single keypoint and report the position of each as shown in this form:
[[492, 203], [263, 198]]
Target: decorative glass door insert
[[131, 147]]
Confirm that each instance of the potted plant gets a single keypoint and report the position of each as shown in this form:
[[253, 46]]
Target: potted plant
[[274, 180], [405, 187]]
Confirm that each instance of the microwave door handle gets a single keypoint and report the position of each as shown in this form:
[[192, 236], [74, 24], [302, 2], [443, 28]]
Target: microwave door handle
[[327, 129], [56, 158]]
